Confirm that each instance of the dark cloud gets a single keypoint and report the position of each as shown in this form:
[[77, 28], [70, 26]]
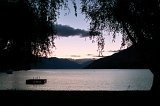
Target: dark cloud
[[65, 31]]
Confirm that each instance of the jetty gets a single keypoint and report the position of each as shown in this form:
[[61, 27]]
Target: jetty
[[36, 81]]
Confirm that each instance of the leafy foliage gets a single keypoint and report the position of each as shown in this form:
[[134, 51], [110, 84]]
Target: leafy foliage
[[27, 28], [137, 20]]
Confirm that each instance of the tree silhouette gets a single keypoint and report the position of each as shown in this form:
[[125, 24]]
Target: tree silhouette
[[25, 31], [136, 20]]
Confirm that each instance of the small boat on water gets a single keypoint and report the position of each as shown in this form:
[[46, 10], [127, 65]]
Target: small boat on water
[[36, 81]]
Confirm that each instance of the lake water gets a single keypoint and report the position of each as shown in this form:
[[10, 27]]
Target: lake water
[[80, 79]]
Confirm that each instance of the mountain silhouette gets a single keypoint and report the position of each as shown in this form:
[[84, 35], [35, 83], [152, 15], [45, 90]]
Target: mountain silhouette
[[127, 58], [55, 63], [84, 61]]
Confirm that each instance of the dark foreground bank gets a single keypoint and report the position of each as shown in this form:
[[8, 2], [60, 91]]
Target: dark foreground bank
[[80, 97]]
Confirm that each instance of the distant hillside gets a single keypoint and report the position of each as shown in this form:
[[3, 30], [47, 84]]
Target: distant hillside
[[128, 58], [55, 63], [83, 62]]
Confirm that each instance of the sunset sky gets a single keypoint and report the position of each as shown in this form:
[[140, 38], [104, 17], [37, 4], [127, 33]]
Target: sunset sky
[[80, 47]]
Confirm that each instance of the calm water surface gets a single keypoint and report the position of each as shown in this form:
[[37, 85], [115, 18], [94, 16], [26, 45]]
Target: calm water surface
[[95, 79]]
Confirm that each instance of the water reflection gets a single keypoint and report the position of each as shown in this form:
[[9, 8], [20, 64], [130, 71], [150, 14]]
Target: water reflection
[[95, 79]]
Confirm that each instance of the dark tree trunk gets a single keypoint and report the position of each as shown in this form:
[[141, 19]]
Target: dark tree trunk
[[149, 52], [153, 55], [156, 80], [155, 68]]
